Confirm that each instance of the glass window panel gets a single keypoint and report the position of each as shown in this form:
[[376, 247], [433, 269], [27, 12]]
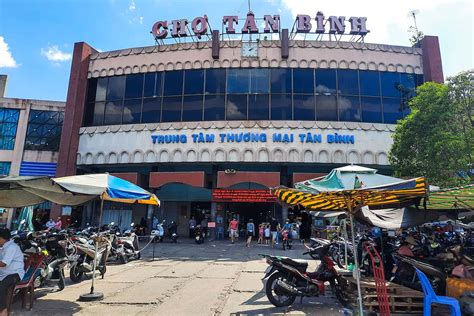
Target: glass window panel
[[101, 89], [281, 107], [215, 81], [98, 118], [151, 110], [348, 82], [349, 108], [5, 168], [88, 114], [371, 110], [369, 82], [419, 80], [192, 108], [214, 107], [134, 86], [408, 85], [303, 80], [236, 108], [44, 130], [238, 80], [303, 107], [149, 85], [326, 108], [171, 111], [8, 126], [91, 89], [326, 81], [281, 80], [132, 110], [259, 81], [390, 82], [173, 83], [113, 112], [193, 81], [259, 107], [391, 110], [116, 88]]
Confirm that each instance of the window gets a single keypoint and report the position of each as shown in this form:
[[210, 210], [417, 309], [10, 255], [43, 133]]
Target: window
[[113, 112], [258, 107], [192, 108], [101, 89], [390, 84], [215, 81], [349, 109], [214, 107], [44, 130], [303, 80], [348, 82], [8, 125], [281, 107], [236, 107], [134, 86], [91, 89], [116, 88], [132, 111], [408, 85], [326, 108], [238, 81], [99, 113], [369, 83], [326, 81], [171, 109], [371, 109], [173, 83], [193, 81], [281, 80], [392, 111], [5, 168], [152, 85], [303, 107], [259, 81], [151, 110]]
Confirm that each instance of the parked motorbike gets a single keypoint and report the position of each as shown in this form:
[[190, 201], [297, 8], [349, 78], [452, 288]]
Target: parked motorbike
[[159, 232], [129, 240], [83, 261], [287, 278], [198, 235], [172, 231], [287, 241]]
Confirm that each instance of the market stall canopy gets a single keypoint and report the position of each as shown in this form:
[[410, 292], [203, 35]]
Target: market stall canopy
[[73, 190]]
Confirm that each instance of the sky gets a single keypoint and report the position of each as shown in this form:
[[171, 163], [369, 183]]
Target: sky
[[37, 36]]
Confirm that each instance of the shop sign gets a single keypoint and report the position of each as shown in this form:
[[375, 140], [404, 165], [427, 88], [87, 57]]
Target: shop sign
[[227, 195], [318, 24], [283, 138]]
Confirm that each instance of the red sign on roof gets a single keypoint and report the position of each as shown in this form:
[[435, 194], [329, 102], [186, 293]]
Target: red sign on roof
[[225, 195]]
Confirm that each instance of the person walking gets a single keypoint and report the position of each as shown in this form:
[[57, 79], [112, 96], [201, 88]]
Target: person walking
[[260, 233], [267, 234], [204, 222], [250, 232], [233, 227], [274, 229], [192, 225]]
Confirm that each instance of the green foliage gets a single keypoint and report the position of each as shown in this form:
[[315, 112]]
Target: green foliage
[[436, 139], [415, 35]]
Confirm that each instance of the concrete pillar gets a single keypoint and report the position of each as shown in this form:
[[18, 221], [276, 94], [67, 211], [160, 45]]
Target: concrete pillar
[[3, 85], [284, 213], [432, 65], [212, 231], [20, 141]]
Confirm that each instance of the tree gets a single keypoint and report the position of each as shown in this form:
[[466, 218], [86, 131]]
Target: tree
[[415, 36], [436, 139]]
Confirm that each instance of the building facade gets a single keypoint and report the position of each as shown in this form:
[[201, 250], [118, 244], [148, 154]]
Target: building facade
[[209, 127], [30, 133]]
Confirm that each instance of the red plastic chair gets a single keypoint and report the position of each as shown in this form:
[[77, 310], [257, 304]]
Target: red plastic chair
[[379, 277]]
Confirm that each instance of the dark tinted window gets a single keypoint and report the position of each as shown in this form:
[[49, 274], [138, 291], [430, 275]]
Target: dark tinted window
[[171, 111], [214, 107], [91, 89], [193, 81], [348, 82], [326, 108], [101, 89], [303, 80], [369, 83], [408, 85], [8, 126], [134, 86], [132, 110], [349, 109], [113, 112], [281, 80], [44, 130], [326, 81], [99, 109], [173, 83], [259, 81], [371, 109], [390, 84], [391, 110], [236, 108], [215, 81], [116, 88], [303, 107], [281, 107], [151, 110], [238, 81], [259, 107], [149, 86], [192, 108]]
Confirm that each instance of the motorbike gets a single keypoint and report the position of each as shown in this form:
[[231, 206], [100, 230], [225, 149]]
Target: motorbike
[[83, 261], [129, 240], [287, 241], [172, 231], [159, 232], [198, 235], [287, 278]]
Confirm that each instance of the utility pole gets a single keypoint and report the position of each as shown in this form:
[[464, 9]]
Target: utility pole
[[413, 14]]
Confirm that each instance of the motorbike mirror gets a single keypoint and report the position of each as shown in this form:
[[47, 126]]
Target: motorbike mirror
[[23, 221], [132, 224], [112, 223]]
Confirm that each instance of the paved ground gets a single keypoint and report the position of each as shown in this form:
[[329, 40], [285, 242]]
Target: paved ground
[[216, 278]]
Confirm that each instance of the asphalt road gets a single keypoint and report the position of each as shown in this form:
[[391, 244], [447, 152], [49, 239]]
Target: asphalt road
[[215, 278]]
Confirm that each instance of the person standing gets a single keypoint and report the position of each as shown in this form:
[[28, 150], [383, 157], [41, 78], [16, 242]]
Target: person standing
[[154, 222], [59, 224], [274, 229], [250, 231], [50, 224], [233, 227], [260, 233], [204, 222], [11, 266], [192, 224]]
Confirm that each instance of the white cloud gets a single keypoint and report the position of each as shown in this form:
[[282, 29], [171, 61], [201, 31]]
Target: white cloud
[[141, 20], [6, 58], [54, 54], [132, 6]]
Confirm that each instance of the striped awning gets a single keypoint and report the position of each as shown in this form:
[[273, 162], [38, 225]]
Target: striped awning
[[398, 194]]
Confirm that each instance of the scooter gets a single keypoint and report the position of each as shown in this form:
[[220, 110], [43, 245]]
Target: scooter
[[172, 231], [287, 278], [159, 232], [287, 241], [129, 240], [198, 235], [84, 261]]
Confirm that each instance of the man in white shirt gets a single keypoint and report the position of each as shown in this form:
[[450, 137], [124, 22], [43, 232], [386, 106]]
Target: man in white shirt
[[50, 224], [11, 267]]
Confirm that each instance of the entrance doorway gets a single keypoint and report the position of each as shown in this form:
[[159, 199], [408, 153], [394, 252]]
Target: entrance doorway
[[258, 212]]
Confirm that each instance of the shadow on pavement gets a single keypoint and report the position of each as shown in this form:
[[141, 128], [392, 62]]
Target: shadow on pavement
[[47, 307]]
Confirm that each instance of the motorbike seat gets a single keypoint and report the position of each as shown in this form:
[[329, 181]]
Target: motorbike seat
[[468, 258], [297, 263]]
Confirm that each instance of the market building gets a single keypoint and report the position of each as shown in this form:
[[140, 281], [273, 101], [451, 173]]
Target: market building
[[209, 124], [30, 133]]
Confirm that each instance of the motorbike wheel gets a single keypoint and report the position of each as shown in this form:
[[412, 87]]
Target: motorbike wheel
[[277, 299], [284, 245], [123, 259], [76, 274], [335, 288], [138, 255]]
